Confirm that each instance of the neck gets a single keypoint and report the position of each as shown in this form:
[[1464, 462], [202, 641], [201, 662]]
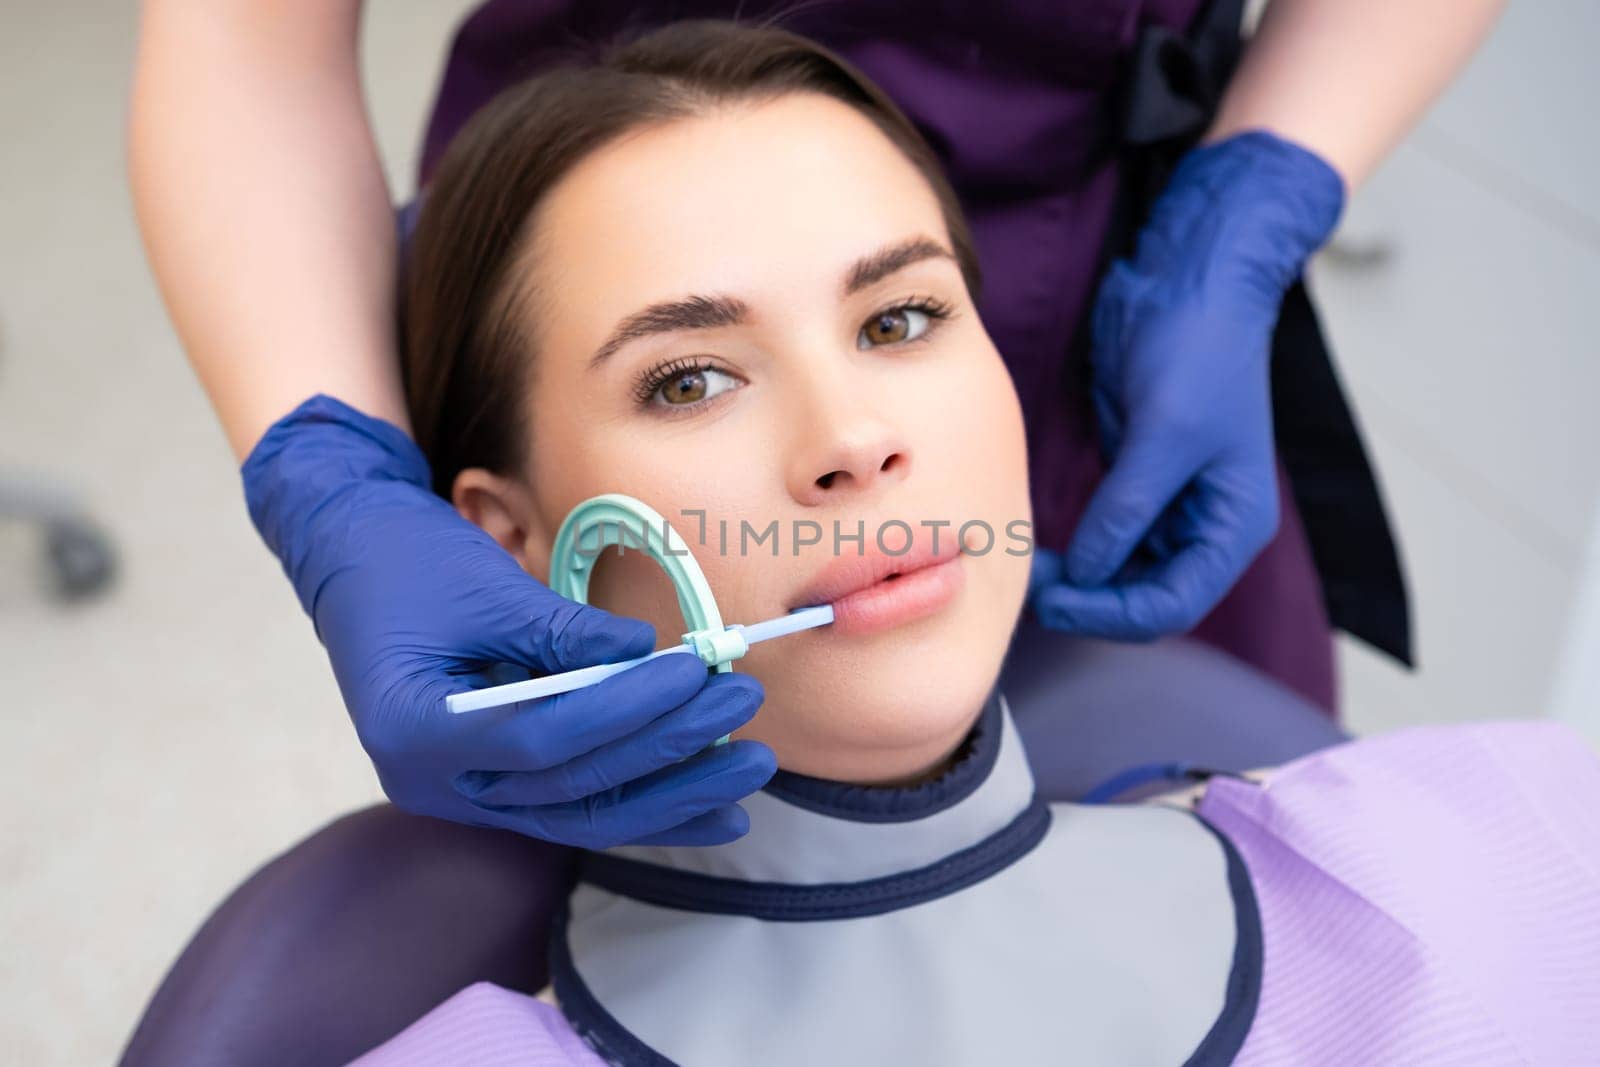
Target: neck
[[888, 765], [931, 774], [924, 770]]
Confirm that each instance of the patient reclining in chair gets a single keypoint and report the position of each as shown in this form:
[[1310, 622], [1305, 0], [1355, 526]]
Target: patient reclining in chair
[[719, 272]]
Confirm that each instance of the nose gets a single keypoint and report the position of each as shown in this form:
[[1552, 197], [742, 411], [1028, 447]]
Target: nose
[[846, 455]]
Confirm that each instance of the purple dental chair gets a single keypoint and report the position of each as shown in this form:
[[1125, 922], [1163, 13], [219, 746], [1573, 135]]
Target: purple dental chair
[[348, 937]]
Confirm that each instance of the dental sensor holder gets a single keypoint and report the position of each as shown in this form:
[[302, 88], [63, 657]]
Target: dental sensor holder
[[623, 521]]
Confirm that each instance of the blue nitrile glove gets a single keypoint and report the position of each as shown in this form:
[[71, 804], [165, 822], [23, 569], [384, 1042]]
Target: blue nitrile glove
[[414, 603], [1182, 337]]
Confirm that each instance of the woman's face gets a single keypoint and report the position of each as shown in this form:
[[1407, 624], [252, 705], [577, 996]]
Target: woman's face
[[828, 368]]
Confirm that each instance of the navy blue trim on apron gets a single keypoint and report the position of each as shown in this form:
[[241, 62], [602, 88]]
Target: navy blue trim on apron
[[876, 804], [787, 902], [598, 1027], [1226, 1036]]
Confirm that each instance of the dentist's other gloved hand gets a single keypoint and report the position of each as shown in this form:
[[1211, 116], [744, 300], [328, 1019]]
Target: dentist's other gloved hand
[[1182, 336], [414, 603]]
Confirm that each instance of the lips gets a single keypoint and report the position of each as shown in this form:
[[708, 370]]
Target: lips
[[875, 591]]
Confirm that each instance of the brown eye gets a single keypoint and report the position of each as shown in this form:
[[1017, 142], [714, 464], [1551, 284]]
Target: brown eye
[[888, 328], [893, 327], [685, 388]]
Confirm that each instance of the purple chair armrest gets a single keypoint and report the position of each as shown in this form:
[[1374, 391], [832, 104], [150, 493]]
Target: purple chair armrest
[[341, 942]]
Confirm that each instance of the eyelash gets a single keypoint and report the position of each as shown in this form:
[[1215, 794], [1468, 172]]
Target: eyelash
[[938, 311]]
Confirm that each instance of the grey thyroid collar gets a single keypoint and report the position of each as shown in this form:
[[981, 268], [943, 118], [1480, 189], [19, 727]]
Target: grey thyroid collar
[[957, 922], [825, 850]]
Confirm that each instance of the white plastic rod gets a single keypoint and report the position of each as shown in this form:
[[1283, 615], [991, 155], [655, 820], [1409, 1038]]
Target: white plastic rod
[[550, 685]]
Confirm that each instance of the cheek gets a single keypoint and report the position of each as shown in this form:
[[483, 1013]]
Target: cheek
[[1002, 477], [632, 584], [980, 458], [657, 464], [972, 421]]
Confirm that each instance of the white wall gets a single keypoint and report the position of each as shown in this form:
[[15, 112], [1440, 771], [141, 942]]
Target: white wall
[[1577, 690], [1471, 355]]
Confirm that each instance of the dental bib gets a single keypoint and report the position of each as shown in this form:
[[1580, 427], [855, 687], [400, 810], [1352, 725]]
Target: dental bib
[[961, 921], [1427, 896]]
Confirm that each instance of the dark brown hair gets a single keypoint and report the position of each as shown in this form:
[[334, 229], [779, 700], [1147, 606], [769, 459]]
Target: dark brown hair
[[465, 357]]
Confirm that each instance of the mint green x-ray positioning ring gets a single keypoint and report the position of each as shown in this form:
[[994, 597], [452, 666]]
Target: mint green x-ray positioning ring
[[616, 519], [625, 522]]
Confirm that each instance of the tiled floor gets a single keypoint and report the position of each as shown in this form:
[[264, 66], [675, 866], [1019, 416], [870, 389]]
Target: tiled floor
[[157, 745]]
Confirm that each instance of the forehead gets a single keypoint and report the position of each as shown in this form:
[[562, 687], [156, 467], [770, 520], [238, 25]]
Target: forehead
[[776, 194]]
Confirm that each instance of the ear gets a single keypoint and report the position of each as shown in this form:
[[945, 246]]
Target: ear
[[505, 509]]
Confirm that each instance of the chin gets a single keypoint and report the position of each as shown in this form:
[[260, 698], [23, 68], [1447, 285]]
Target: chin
[[889, 705], [869, 724]]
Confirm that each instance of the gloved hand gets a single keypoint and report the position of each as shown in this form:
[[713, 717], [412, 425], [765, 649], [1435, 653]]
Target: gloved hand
[[1182, 336], [414, 603]]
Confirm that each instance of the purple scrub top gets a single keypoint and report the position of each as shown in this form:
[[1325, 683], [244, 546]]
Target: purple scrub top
[[1019, 99]]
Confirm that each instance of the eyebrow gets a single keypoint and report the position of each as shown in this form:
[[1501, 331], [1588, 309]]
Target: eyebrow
[[712, 312]]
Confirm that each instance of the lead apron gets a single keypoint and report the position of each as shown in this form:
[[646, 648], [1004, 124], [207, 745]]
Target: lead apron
[[962, 921]]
